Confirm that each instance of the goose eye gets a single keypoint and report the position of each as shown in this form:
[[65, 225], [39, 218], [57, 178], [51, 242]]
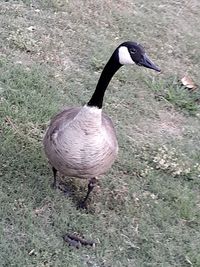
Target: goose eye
[[132, 51]]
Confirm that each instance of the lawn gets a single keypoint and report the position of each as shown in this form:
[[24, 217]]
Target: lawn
[[146, 209]]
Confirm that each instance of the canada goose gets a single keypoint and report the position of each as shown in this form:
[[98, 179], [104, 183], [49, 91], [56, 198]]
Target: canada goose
[[81, 141]]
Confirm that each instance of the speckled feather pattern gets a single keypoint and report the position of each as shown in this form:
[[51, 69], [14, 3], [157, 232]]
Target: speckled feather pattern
[[81, 142]]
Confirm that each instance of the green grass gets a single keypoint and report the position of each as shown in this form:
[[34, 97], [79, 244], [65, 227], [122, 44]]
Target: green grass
[[172, 91], [146, 210]]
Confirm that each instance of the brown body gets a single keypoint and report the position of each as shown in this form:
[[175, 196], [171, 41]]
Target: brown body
[[81, 142]]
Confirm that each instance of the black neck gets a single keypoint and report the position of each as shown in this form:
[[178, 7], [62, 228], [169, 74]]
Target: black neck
[[109, 70]]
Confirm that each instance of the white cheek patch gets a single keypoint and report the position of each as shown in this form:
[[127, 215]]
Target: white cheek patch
[[124, 56]]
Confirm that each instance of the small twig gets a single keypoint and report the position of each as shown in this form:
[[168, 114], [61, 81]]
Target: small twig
[[16, 129], [188, 260], [8, 119], [183, 7]]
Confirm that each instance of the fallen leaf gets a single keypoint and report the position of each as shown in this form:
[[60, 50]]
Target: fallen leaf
[[188, 82]]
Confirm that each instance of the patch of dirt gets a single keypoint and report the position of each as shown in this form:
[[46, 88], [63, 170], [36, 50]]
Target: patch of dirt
[[167, 125]]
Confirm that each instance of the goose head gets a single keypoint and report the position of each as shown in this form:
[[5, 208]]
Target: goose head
[[127, 53], [133, 53]]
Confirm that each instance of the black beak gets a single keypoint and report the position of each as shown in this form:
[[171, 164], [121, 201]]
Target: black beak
[[146, 62]]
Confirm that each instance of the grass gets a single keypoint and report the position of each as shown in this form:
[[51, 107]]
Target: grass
[[146, 211], [173, 92]]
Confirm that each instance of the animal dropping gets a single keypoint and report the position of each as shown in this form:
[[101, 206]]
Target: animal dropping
[[77, 241]]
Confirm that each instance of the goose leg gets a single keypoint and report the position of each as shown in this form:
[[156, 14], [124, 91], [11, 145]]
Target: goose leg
[[54, 184], [91, 186]]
